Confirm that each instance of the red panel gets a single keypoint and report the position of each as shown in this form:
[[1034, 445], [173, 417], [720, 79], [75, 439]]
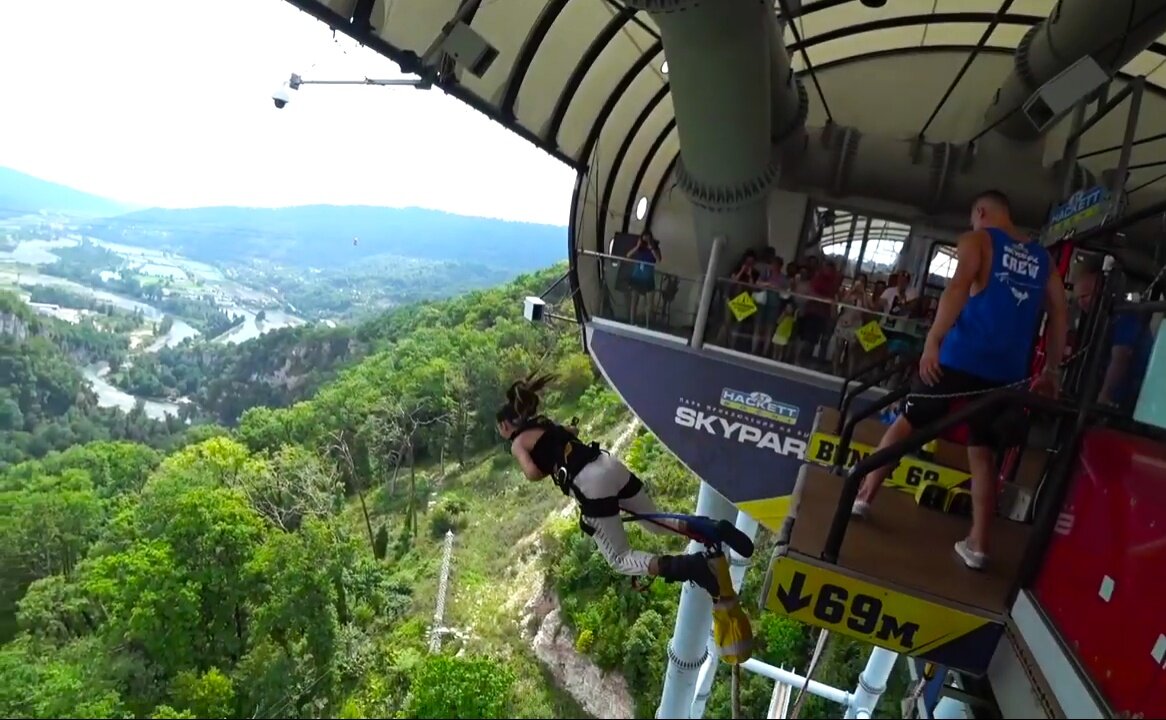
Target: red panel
[[1113, 526]]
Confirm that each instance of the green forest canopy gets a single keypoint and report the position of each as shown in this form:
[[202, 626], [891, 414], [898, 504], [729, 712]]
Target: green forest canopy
[[286, 567]]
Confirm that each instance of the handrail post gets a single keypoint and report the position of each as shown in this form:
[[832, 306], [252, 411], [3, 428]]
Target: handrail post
[[900, 362], [850, 424], [862, 371], [708, 286]]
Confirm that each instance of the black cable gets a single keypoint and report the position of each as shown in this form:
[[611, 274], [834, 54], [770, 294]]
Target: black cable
[[791, 20], [1111, 148], [1145, 184], [1007, 4]]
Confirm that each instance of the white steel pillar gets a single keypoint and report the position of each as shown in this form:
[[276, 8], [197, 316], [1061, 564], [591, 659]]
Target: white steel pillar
[[708, 671], [872, 683], [694, 621]]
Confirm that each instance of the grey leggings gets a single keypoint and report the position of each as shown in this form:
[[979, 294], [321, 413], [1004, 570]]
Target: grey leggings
[[604, 477]]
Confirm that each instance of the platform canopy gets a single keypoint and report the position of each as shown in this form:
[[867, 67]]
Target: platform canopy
[[587, 80]]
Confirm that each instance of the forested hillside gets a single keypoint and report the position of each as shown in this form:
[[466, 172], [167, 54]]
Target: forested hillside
[[288, 566], [45, 404]]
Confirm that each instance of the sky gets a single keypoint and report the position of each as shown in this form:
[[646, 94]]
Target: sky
[[167, 103]]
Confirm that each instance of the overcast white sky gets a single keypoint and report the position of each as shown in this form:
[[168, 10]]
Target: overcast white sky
[[168, 103]]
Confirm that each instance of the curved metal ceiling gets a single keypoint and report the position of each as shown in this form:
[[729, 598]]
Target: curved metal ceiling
[[585, 79]]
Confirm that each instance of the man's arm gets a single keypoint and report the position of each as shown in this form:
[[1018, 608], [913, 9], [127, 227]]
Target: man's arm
[[529, 469], [1057, 306], [959, 287], [1119, 364], [1124, 338]]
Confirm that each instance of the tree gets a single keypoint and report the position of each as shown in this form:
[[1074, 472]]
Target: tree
[[453, 687], [296, 486], [340, 448]]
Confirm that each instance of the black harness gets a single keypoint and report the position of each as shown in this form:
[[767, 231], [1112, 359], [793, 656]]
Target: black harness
[[570, 457]]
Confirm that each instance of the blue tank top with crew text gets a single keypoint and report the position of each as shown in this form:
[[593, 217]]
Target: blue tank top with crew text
[[995, 333]]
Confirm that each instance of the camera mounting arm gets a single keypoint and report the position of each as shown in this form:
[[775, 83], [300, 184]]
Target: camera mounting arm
[[419, 83]]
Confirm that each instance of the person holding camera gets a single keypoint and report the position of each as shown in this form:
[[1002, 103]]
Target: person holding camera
[[642, 279]]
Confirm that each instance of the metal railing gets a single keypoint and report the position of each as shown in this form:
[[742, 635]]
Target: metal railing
[[851, 423], [894, 365], [671, 303]]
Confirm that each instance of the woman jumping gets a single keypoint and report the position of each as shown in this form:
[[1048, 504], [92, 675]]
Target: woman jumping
[[602, 486]]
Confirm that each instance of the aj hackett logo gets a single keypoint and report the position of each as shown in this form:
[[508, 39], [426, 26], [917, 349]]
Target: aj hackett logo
[[769, 414], [760, 404]]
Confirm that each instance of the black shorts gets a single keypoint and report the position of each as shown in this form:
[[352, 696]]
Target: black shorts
[[810, 328], [921, 411]]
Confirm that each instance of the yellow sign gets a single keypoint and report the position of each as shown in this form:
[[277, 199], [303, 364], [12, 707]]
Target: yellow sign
[[830, 599], [870, 336], [909, 475], [784, 331], [742, 306]]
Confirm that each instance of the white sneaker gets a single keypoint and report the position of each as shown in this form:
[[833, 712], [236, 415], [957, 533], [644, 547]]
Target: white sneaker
[[860, 508], [972, 558]]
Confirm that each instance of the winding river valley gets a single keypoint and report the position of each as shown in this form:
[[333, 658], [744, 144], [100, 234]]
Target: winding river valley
[[18, 268]]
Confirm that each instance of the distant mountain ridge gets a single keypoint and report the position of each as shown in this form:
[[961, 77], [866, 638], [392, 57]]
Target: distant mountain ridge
[[24, 194], [335, 235], [324, 236]]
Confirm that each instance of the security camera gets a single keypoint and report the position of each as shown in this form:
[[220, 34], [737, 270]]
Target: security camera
[[281, 97]]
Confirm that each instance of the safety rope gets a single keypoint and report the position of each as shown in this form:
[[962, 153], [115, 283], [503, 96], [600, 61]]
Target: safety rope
[[819, 650], [735, 691], [911, 704]]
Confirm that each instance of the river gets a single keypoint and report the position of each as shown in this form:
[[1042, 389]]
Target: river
[[29, 254], [110, 396]]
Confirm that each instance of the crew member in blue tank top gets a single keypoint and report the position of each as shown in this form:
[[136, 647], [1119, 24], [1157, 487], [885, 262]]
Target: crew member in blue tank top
[[983, 336]]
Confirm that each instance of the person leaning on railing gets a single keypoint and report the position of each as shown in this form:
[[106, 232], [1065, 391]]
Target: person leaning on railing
[[854, 301]]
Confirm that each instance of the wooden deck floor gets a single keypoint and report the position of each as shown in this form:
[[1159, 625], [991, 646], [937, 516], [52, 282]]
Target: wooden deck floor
[[911, 546]]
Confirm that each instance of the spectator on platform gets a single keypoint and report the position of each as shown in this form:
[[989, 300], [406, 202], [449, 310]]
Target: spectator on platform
[[855, 302], [771, 277], [742, 280], [1128, 342], [644, 256], [900, 297], [816, 313]]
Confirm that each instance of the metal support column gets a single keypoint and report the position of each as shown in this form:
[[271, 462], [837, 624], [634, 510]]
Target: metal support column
[[872, 683], [694, 621], [707, 290]]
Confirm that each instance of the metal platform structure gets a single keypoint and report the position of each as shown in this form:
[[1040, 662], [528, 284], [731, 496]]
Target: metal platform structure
[[861, 130]]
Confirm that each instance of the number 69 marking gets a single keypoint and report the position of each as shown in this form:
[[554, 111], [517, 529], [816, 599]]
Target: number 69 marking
[[863, 614]]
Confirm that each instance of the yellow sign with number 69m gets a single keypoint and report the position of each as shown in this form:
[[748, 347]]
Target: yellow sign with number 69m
[[818, 595]]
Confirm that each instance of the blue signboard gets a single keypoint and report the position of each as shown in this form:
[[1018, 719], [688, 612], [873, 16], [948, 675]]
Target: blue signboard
[[1083, 210], [741, 429]]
